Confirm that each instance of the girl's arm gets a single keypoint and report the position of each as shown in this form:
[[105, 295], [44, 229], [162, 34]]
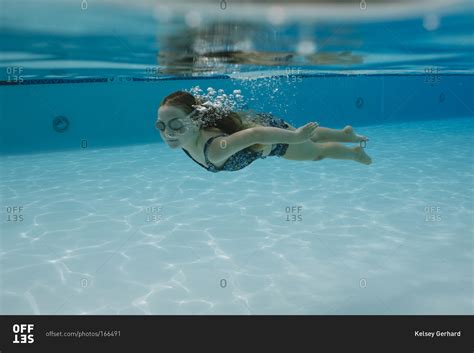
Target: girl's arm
[[223, 147]]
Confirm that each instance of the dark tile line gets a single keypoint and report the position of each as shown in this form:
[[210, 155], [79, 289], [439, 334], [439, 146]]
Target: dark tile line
[[47, 81]]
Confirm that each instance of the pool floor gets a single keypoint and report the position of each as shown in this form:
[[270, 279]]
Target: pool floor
[[144, 230]]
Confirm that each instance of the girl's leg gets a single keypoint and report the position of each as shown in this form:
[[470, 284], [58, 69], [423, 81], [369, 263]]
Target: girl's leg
[[338, 151], [311, 151], [347, 134], [324, 134]]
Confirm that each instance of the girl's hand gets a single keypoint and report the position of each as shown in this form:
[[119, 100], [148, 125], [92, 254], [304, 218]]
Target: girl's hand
[[305, 132]]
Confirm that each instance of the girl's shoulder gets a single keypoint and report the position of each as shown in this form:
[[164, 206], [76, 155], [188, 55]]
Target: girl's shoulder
[[249, 118], [211, 131], [207, 133]]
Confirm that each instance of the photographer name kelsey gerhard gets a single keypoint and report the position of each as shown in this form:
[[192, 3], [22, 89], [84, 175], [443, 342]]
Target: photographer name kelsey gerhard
[[432, 334]]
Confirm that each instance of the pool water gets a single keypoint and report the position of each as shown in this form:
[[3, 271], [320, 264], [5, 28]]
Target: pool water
[[119, 232], [103, 218]]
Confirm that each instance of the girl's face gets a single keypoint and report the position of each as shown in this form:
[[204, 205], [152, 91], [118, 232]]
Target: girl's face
[[175, 126]]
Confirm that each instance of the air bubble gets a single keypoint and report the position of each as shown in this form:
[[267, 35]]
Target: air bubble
[[213, 105]]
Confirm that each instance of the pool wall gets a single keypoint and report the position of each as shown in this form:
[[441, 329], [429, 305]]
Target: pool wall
[[120, 112]]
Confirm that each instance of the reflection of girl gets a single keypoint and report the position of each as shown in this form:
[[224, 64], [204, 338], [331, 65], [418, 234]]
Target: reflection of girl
[[218, 46], [208, 61], [237, 139]]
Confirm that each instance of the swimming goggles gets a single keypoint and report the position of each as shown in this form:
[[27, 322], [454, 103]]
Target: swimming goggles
[[175, 124]]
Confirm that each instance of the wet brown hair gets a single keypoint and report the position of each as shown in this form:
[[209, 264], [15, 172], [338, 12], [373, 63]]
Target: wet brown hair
[[228, 124]]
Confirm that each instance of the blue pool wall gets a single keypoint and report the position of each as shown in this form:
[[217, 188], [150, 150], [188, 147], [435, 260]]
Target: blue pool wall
[[121, 112]]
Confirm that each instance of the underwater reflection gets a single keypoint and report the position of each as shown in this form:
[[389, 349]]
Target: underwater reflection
[[220, 47]]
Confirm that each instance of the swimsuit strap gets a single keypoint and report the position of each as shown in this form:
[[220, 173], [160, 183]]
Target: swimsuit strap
[[208, 142], [189, 155]]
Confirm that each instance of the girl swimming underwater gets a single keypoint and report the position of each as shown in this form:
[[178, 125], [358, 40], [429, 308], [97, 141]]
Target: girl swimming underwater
[[230, 140]]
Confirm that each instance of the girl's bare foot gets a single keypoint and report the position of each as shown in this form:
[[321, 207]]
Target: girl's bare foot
[[352, 136], [361, 156]]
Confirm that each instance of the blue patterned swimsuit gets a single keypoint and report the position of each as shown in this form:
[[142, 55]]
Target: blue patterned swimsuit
[[246, 156]]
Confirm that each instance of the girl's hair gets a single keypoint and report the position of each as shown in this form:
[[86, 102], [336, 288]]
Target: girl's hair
[[229, 124]]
